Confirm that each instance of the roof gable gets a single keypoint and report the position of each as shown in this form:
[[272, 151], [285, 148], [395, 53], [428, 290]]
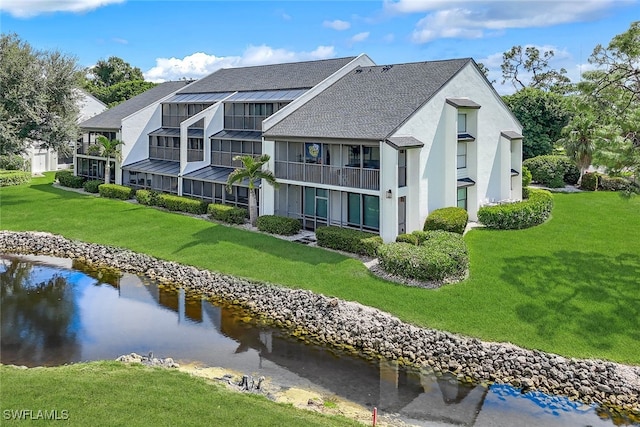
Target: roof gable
[[112, 118], [294, 75], [369, 102]]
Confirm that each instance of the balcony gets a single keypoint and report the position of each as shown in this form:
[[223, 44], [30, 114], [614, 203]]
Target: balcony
[[164, 153], [343, 176], [195, 155]]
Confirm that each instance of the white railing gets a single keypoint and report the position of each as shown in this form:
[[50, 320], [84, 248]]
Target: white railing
[[342, 176]]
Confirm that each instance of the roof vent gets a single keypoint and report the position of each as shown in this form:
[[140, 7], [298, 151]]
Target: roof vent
[[358, 71], [386, 68]]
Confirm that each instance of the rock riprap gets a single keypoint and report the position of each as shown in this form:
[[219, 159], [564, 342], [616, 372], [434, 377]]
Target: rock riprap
[[360, 329]]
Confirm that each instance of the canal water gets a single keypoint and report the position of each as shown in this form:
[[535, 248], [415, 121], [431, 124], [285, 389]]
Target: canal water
[[55, 311]]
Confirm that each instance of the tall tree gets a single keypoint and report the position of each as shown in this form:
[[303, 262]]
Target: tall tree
[[38, 97], [109, 150], [530, 68], [543, 115], [114, 80], [579, 139], [613, 89], [253, 172]]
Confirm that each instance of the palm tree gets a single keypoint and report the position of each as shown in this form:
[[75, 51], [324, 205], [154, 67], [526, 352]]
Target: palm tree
[[254, 172], [109, 149], [579, 141]]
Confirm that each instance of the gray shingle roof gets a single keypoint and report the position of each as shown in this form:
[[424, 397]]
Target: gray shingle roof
[[369, 102], [295, 75], [112, 118]]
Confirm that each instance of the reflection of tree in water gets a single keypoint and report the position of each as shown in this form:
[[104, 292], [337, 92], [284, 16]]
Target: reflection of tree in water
[[36, 317]]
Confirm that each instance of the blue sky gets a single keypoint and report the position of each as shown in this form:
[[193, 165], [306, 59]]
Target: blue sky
[[169, 40]]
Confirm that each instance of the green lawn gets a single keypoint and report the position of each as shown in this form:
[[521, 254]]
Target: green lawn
[[114, 394], [570, 286]]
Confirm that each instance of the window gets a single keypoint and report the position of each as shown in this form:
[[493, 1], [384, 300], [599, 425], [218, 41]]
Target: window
[[238, 115], [462, 155], [462, 123], [462, 198], [363, 211], [402, 168]]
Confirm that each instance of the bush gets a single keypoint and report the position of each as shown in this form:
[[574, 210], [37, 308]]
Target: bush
[[91, 186], [451, 219], [526, 177], [66, 178], [181, 204], [533, 211], [407, 238], [115, 191], [443, 256], [281, 225], [615, 183], [552, 171], [348, 240], [147, 197], [590, 181], [226, 213], [13, 177], [12, 162]]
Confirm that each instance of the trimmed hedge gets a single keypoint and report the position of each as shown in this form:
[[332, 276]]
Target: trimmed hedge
[[407, 238], [616, 183], [226, 213], [280, 225], [526, 176], [92, 185], [443, 256], [181, 204], [115, 191], [348, 240], [552, 170], [13, 177], [453, 219], [12, 162], [147, 197], [66, 178], [528, 213], [589, 181]]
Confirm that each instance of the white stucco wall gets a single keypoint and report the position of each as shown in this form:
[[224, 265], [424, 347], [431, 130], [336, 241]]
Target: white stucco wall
[[435, 124], [89, 106]]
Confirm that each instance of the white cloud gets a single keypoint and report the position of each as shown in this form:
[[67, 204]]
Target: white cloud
[[468, 19], [29, 8], [337, 25], [200, 64], [389, 38], [360, 37], [120, 41]]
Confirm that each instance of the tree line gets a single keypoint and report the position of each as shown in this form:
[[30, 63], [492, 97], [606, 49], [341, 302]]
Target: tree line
[[595, 121]]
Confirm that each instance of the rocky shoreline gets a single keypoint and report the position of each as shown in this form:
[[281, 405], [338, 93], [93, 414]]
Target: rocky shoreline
[[360, 329]]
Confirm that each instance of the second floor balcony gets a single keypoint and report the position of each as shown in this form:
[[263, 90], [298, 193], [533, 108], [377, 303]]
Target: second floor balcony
[[164, 153], [343, 176]]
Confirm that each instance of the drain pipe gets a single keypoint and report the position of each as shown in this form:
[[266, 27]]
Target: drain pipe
[[375, 416]]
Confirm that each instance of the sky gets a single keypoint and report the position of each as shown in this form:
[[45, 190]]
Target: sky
[[169, 40]]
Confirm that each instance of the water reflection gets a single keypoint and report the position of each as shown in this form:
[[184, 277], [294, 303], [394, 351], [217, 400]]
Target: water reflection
[[53, 314]]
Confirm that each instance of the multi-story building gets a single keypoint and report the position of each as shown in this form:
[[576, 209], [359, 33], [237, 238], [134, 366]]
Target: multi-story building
[[352, 144]]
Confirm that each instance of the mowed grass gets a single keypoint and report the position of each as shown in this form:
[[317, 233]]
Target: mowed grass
[[570, 286], [114, 394]]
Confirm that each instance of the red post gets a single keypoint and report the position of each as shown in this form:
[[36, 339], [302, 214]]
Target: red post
[[375, 416]]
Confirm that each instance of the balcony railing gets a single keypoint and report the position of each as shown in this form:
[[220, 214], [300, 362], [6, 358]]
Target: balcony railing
[[343, 176], [220, 158], [164, 153]]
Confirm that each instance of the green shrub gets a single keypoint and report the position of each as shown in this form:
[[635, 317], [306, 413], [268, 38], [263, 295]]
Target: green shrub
[[66, 178], [181, 204], [552, 170], [348, 240], [451, 219], [147, 197], [91, 186], [13, 177], [443, 256], [115, 191], [12, 162], [527, 213], [407, 238], [422, 236], [227, 213], [281, 225], [615, 183], [526, 177], [526, 192], [590, 181]]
